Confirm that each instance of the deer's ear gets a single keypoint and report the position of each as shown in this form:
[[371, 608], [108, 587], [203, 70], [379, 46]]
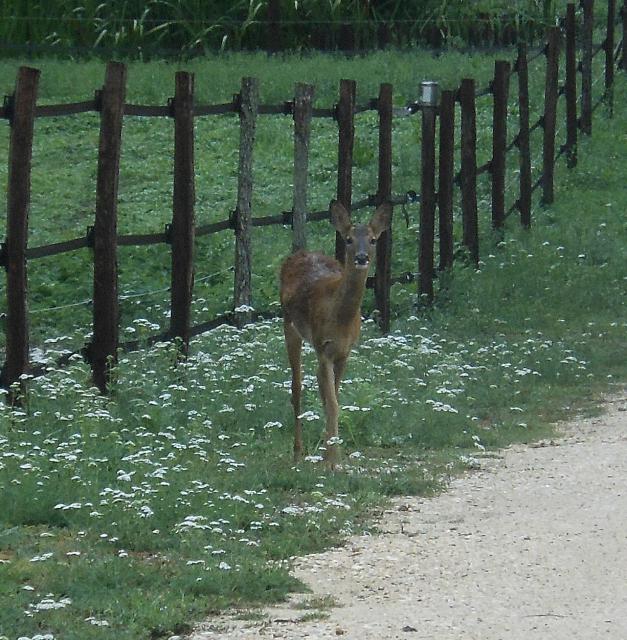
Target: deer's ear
[[340, 218], [381, 219]]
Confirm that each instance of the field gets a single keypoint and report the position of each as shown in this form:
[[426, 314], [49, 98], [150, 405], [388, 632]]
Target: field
[[133, 516]]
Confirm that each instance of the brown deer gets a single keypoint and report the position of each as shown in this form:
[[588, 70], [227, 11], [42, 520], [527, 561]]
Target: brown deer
[[321, 302]]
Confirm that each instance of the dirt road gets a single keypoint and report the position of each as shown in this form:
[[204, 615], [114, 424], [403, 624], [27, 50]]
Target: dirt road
[[533, 545]]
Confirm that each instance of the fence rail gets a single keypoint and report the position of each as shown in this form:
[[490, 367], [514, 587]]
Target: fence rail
[[199, 110], [21, 110]]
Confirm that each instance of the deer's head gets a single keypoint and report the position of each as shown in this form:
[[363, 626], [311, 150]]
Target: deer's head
[[360, 239]]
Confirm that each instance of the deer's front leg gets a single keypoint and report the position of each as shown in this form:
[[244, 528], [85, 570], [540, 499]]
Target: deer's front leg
[[326, 384], [294, 344], [338, 370]]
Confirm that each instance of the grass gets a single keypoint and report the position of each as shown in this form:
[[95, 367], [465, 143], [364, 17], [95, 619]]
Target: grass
[[134, 516]]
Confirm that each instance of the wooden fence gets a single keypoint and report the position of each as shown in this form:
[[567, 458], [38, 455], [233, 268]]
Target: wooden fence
[[21, 110]]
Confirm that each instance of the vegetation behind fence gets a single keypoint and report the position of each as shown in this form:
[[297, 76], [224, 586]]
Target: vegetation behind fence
[[147, 29]]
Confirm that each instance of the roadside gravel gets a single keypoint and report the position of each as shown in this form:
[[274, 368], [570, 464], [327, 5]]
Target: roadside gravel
[[532, 545]]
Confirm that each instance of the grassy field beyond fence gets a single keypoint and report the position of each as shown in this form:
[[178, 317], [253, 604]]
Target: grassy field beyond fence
[[136, 515]]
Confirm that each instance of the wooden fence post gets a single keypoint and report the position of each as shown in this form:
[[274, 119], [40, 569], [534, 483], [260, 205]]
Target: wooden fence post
[[22, 119], [524, 201], [500, 91], [103, 349], [623, 59], [469, 168], [347, 40], [182, 228], [384, 35], [586, 68], [249, 107], [346, 136], [571, 87], [383, 273], [303, 106], [550, 113], [274, 29], [609, 56], [446, 178], [427, 191]]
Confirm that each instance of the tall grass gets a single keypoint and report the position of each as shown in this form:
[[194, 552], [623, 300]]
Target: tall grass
[[189, 27]]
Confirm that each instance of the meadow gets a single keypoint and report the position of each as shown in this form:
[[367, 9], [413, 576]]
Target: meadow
[[132, 516]]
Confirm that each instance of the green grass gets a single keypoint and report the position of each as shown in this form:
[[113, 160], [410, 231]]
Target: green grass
[[176, 497]]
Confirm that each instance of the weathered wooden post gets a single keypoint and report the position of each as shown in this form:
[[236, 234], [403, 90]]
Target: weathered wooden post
[[347, 39], [571, 87], [446, 178], [303, 106], [102, 352], [524, 201], [181, 233], [384, 35], [274, 29], [345, 115], [426, 272], [22, 120], [623, 59], [248, 109], [469, 168], [500, 92], [550, 113], [383, 273], [608, 45], [585, 123]]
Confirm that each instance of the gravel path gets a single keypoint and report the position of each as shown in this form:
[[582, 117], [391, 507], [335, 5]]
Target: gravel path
[[533, 545]]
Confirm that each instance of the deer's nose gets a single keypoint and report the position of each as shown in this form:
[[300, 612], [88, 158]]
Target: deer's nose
[[361, 259]]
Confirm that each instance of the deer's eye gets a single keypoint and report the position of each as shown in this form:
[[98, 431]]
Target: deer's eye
[[349, 240], [373, 241]]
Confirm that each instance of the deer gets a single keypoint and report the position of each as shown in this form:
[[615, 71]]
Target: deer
[[321, 301]]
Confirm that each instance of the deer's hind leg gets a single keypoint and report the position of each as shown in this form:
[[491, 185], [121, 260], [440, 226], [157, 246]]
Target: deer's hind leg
[[294, 344]]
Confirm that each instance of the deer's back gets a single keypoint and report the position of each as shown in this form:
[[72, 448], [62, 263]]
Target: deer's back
[[309, 281], [304, 273]]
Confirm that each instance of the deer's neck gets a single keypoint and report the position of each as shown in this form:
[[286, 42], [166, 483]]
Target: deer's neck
[[350, 293]]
